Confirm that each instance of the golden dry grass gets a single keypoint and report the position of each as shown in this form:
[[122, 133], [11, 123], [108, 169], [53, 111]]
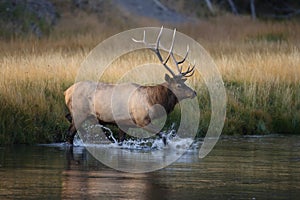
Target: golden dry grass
[[259, 62]]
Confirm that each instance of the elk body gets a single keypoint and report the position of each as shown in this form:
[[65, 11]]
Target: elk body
[[128, 105]]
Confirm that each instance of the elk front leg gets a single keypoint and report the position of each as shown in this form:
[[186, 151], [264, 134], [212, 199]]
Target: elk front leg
[[155, 130], [147, 125]]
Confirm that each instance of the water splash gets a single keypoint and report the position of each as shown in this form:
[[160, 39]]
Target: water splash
[[173, 141]]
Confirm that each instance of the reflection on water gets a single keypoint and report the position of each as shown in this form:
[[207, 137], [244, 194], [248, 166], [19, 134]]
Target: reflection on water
[[237, 168]]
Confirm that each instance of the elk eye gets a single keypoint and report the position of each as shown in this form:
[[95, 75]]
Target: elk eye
[[178, 85]]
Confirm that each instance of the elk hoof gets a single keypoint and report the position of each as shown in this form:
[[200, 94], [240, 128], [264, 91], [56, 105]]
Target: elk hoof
[[69, 140], [163, 137], [120, 143]]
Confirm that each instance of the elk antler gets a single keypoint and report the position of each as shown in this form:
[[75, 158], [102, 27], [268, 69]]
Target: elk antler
[[156, 46]]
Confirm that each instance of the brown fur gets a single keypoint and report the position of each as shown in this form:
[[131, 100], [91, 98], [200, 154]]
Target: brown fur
[[162, 95], [133, 103]]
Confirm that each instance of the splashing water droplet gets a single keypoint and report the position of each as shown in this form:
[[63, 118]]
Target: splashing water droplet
[[172, 141]]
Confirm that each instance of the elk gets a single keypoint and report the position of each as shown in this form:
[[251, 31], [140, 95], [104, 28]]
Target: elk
[[93, 100]]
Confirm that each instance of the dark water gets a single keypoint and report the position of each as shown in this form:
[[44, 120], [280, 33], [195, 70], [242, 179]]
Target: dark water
[[237, 168]]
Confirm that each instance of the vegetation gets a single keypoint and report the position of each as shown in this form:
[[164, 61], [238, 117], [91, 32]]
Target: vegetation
[[259, 62], [264, 9], [22, 18]]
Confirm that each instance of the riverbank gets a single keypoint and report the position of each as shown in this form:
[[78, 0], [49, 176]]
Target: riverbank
[[259, 64]]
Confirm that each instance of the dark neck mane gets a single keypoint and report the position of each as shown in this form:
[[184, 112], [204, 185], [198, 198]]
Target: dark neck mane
[[161, 94]]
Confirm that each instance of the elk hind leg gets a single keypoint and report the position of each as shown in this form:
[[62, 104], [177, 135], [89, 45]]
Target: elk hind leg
[[122, 136], [71, 133]]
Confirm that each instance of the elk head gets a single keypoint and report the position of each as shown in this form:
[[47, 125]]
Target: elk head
[[176, 83]]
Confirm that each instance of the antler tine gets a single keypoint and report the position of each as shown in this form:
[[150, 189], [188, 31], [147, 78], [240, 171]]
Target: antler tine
[[156, 50], [186, 55], [189, 72], [158, 38], [141, 41], [156, 46], [177, 63], [171, 48], [179, 68]]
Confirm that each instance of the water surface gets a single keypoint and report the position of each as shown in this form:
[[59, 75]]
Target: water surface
[[237, 168]]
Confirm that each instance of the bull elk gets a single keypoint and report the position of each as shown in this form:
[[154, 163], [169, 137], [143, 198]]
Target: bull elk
[[93, 100]]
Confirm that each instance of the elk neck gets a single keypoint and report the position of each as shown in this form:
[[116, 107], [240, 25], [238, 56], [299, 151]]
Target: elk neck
[[161, 94]]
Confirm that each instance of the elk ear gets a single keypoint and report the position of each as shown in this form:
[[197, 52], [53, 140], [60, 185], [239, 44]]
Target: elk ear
[[183, 79], [168, 78]]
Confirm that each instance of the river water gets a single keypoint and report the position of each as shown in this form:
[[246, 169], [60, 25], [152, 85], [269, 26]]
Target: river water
[[237, 168]]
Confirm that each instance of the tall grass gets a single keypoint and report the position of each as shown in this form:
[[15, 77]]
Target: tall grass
[[260, 65], [31, 88]]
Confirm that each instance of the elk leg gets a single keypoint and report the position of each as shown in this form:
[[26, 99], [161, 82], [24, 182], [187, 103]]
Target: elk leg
[[69, 117], [163, 137], [154, 129], [122, 136], [71, 130], [71, 133]]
